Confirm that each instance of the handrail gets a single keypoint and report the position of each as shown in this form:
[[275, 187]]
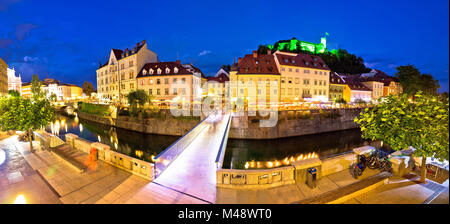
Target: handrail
[[161, 165], [223, 144]]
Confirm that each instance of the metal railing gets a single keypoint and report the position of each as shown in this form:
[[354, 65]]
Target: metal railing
[[166, 157], [223, 144]]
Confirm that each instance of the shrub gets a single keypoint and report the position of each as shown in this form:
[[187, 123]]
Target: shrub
[[96, 109]]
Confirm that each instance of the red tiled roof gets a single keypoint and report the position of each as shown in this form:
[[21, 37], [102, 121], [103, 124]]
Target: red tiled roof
[[222, 78], [119, 54], [163, 65], [301, 60], [261, 64]]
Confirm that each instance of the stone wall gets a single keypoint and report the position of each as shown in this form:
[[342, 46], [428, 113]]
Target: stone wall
[[135, 166], [168, 126], [291, 124]]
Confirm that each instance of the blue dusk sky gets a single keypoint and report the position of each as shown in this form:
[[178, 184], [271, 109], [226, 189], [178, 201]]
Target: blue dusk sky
[[66, 39]]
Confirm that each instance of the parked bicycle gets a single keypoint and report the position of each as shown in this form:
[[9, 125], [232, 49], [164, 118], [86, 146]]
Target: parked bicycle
[[359, 167]]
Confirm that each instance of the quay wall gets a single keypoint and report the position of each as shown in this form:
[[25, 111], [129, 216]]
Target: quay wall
[[290, 123]]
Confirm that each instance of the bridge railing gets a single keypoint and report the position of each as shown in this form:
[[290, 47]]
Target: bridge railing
[[223, 144], [163, 160]]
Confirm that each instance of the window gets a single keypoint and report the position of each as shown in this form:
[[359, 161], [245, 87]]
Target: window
[[283, 69], [122, 76], [131, 75], [131, 63], [175, 91], [158, 81], [290, 69], [144, 72], [320, 92], [305, 81], [315, 72], [290, 91], [167, 70], [282, 80], [306, 71], [151, 81], [158, 92], [151, 71], [183, 80], [297, 70], [150, 91], [158, 71], [259, 91], [166, 91], [131, 85], [174, 80], [297, 80], [320, 73], [166, 81], [122, 66], [175, 70], [183, 91]]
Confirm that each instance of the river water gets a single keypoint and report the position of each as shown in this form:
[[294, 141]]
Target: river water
[[238, 152]]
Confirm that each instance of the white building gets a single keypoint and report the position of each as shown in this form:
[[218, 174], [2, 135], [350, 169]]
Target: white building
[[14, 83]]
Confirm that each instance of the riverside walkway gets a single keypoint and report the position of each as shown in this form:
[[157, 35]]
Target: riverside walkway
[[193, 171]]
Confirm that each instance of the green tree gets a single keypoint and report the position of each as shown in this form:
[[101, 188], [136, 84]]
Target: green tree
[[138, 98], [18, 113], [401, 122], [88, 88], [413, 81], [13, 93]]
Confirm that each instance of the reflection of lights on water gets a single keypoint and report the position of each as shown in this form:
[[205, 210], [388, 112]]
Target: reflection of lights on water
[[286, 161], [66, 127], [20, 200], [99, 139], [111, 139], [2, 156], [81, 127], [139, 153], [115, 145], [152, 158], [76, 120]]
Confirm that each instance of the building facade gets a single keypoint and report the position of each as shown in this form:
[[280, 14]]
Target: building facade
[[14, 82], [339, 89], [117, 77], [303, 77], [170, 82], [3, 78], [62, 91], [359, 92]]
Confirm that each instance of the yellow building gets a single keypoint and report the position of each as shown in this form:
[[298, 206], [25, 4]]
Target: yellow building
[[376, 87], [391, 87], [117, 77], [3, 78], [303, 77], [338, 88], [49, 86], [216, 86], [171, 81], [26, 89], [252, 76]]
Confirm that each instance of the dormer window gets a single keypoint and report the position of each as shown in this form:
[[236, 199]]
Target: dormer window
[[315, 59], [306, 63], [151, 71], [293, 61], [315, 65], [175, 70], [286, 60], [144, 72], [159, 71], [167, 70]]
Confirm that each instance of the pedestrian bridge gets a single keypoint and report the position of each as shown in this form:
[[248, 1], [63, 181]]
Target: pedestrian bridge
[[189, 165]]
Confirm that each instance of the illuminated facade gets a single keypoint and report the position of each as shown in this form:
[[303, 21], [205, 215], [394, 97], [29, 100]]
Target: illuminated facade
[[295, 45], [391, 87], [338, 88], [376, 87], [62, 91], [254, 69], [359, 92], [3, 78], [302, 77], [215, 86], [14, 82], [117, 77], [171, 81]]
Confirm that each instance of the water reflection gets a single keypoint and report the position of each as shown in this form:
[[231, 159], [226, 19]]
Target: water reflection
[[134, 144], [276, 152]]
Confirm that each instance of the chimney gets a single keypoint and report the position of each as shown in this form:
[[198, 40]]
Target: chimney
[[255, 54], [178, 62], [143, 42], [239, 60], [137, 44], [269, 51]]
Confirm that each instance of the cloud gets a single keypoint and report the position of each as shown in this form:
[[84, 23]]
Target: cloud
[[30, 59], [23, 30], [371, 65], [4, 43], [205, 52], [4, 4]]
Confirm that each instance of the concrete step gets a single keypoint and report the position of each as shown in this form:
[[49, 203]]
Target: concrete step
[[348, 192], [68, 154]]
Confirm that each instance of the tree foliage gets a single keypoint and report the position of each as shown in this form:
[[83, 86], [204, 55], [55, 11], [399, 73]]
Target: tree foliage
[[401, 122], [413, 81], [138, 98], [13, 93], [18, 113], [88, 88]]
